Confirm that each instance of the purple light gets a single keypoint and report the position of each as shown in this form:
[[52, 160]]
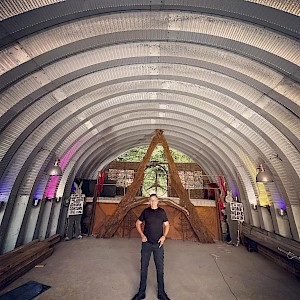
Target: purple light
[[235, 192], [281, 204], [38, 194], [5, 187]]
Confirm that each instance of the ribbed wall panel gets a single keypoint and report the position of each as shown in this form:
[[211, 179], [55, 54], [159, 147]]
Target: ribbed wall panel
[[289, 89], [9, 8], [61, 131], [31, 224], [177, 113], [31, 174], [283, 115], [239, 168], [242, 32], [14, 227], [256, 139], [242, 89], [290, 6], [13, 131], [156, 99], [162, 70], [9, 177], [89, 58], [82, 130], [63, 115], [26, 148], [191, 72], [16, 93]]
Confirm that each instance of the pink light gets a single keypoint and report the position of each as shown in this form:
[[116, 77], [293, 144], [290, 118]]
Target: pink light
[[51, 186], [54, 180]]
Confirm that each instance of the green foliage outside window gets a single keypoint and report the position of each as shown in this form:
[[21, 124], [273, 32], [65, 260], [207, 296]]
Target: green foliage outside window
[[156, 176], [158, 155]]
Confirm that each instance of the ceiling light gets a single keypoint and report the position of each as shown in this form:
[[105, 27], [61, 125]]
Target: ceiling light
[[263, 175], [55, 170]]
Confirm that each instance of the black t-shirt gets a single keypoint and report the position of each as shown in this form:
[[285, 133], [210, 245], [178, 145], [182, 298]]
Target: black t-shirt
[[153, 219]]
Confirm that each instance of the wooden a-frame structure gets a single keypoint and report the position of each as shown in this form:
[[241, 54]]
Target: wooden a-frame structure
[[128, 201]]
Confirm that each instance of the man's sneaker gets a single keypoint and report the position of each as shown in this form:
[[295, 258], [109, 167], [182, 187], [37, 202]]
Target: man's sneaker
[[66, 238], [163, 296], [79, 236], [139, 296]]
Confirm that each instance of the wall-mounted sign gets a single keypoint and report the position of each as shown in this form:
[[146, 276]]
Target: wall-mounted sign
[[123, 178], [191, 179]]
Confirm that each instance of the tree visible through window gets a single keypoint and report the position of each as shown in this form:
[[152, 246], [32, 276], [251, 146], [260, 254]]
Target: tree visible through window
[[156, 174]]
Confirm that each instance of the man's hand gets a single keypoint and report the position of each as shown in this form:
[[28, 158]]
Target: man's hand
[[138, 224], [161, 241]]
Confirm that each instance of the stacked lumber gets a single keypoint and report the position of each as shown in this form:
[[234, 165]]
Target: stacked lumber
[[15, 263]]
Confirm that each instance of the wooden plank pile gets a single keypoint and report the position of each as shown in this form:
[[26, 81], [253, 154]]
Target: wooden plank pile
[[15, 263]]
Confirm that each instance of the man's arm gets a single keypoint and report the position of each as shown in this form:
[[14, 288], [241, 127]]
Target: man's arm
[[138, 225], [166, 231]]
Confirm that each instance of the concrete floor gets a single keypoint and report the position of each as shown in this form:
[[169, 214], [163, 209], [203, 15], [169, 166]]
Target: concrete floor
[[108, 269]]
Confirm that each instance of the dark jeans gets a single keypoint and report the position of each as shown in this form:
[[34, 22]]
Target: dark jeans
[[74, 226], [158, 254]]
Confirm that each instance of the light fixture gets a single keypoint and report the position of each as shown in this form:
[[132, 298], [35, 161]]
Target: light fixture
[[36, 202], [254, 206], [282, 212], [263, 175], [58, 199], [55, 170]]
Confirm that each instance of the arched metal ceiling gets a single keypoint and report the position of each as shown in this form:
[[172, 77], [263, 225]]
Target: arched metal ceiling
[[88, 80]]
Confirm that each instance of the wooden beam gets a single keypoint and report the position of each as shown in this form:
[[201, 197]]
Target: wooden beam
[[196, 223]]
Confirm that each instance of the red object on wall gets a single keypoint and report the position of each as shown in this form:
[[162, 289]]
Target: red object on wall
[[222, 185], [100, 186]]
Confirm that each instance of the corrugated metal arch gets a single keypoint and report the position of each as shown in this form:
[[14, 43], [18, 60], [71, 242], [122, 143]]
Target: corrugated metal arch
[[257, 112]]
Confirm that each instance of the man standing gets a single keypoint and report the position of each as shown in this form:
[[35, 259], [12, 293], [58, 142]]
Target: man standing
[[75, 211], [156, 228]]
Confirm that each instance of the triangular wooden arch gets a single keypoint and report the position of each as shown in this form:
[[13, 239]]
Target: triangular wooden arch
[[128, 201]]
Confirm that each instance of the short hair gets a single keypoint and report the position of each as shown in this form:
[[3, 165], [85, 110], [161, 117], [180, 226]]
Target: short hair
[[153, 195]]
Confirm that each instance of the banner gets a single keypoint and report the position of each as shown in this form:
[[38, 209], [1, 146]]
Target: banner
[[76, 205], [236, 211]]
